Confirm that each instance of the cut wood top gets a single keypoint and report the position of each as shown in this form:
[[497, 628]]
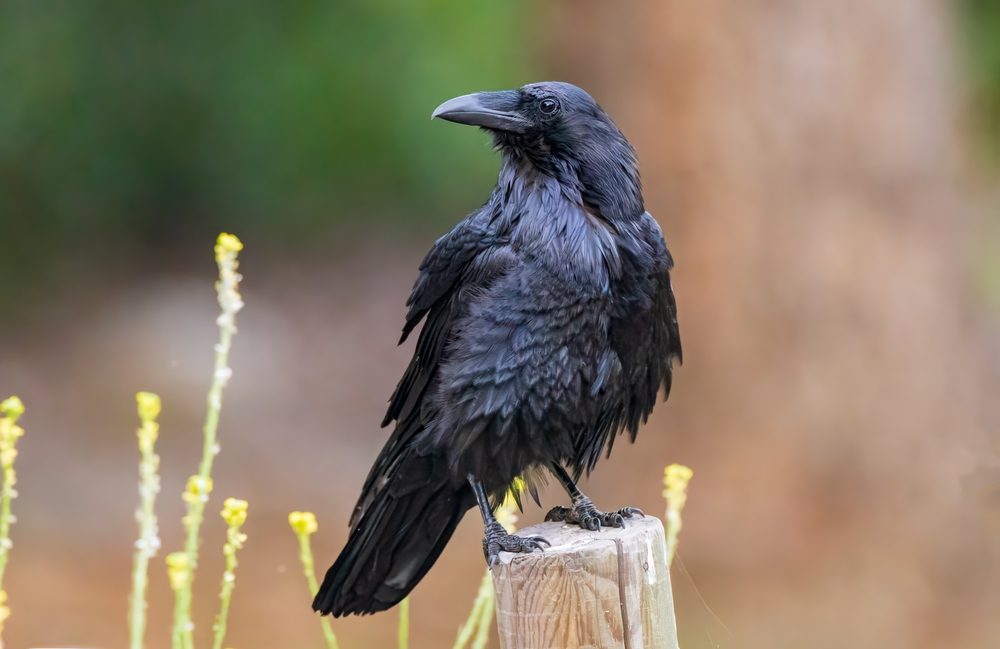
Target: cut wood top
[[603, 589]]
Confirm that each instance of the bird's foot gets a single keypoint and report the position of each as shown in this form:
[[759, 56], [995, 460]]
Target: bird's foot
[[498, 540], [584, 514]]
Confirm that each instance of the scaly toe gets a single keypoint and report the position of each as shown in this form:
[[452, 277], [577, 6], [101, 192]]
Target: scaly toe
[[629, 512], [497, 540], [588, 517], [614, 519]]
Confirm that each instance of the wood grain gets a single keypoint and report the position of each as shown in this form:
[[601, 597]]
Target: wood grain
[[590, 590]]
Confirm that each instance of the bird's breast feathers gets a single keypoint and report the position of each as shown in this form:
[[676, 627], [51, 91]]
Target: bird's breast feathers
[[571, 243]]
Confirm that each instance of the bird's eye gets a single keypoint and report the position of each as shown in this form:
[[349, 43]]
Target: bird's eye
[[548, 106]]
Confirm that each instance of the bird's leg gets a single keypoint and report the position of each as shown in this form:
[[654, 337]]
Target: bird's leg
[[496, 538], [582, 512]]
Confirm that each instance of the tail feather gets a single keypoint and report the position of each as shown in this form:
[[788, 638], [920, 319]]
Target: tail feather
[[396, 540]]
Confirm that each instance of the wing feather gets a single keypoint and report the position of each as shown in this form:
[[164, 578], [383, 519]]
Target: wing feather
[[458, 266]]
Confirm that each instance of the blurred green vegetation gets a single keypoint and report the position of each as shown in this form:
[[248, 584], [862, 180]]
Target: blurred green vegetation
[[981, 34], [980, 22], [129, 125]]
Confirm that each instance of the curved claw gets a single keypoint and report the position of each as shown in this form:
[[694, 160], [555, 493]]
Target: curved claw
[[614, 520], [497, 540]]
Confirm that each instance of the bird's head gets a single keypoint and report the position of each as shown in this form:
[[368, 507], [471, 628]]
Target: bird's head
[[561, 131]]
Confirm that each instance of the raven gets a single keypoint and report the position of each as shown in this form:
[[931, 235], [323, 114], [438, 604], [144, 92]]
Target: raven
[[550, 326]]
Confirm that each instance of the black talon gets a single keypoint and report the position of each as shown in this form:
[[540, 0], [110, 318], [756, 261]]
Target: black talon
[[583, 512], [498, 540]]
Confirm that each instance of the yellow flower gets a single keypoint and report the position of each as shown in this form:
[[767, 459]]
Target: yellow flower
[[303, 523], [234, 512], [148, 405], [675, 483], [7, 451], [9, 434], [12, 407], [227, 245], [177, 569], [197, 488], [675, 480]]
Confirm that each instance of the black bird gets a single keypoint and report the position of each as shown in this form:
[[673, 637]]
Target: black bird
[[549, 328]]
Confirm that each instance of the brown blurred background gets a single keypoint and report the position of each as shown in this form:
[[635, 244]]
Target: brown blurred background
[[825, 173]]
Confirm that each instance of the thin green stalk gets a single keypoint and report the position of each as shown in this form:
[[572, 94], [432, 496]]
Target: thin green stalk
[[199, 486], [149, 486], [10, 410], [470, 625], [177, 571], [304, 525], [403, 631], [483, 601], [485, 621], [234, 512]]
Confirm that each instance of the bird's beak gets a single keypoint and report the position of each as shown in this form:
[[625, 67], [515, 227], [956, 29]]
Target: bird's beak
[[493, 110]]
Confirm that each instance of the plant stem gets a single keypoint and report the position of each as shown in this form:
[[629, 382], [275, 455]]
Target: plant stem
[[403, 631], [199, 486], [234, 512], [309, 569], [484, 599], [181, 637], [178, 574], [10, 410], [198, 501], [225, 595], [149, 487], [485, 620], [675, 483]]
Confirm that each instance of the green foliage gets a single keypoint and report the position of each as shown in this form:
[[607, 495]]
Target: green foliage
[[129, 123], [981, 33]]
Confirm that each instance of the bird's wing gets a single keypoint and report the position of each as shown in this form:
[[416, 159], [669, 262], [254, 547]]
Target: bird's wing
[[648, 340], [459, 266], [460, 263], [445, 265], [644, 343]]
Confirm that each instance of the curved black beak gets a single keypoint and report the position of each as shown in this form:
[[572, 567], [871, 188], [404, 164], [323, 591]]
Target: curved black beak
[[492, 110]]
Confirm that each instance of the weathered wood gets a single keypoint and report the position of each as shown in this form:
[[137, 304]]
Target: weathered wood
[[593, 590]]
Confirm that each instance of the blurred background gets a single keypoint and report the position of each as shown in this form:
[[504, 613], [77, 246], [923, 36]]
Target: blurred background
[[826, 174]]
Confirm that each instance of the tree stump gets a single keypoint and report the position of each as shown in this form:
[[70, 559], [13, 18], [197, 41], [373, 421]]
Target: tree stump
[[593, 590]]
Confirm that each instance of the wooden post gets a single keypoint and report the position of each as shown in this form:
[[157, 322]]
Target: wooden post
[[593, 590]]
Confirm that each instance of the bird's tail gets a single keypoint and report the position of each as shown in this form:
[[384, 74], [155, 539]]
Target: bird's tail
[[398, 537]]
